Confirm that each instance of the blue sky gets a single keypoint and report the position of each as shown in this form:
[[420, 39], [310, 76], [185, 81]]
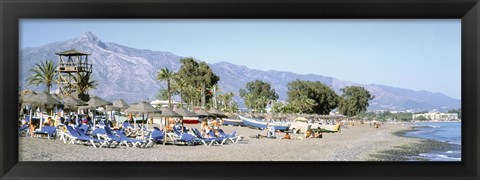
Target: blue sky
[[413, 54]]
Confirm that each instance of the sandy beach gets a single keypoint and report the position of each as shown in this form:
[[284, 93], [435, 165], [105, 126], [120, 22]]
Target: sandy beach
[[353, 143]]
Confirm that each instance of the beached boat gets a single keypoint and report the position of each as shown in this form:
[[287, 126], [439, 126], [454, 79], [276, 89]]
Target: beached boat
[[233, 122], [282, 126], [329, 128]]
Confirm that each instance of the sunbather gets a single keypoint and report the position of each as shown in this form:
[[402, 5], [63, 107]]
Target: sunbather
[[308, 133], [48, 122], [287, 136], [205, 129], [33, 126]]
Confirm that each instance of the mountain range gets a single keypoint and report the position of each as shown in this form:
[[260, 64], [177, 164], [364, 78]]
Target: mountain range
[[128, 73]]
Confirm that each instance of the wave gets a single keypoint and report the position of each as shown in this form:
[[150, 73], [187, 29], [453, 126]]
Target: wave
[[432, 126], [453, 152], [439, 157]]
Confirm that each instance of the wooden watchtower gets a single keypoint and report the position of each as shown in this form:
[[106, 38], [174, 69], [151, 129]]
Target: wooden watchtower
[[70, 63]]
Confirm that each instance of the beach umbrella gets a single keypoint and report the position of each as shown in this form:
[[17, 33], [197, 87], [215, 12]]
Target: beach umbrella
[[27, 95], [120, 104], [111, 108], [167, 112], [96, 102], [41, 100], [203, 113], [217, 113], [185, 113], [71, 102], [142, 107]]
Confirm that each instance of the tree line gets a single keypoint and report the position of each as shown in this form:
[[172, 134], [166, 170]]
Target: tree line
[[306, 97]]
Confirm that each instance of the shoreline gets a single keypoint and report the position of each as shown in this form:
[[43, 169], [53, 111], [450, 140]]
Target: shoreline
[[353, 143], [409, 151]]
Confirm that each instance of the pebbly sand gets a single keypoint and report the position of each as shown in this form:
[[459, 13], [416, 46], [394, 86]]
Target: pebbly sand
[[353, 143]]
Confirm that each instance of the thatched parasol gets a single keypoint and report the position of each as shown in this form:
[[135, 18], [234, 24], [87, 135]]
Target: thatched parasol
[[142, 107], [111, 108], [185, 113], [217, 113], [167, 112], [96, 102], [41, 99], [121, 104], [25, 95], [71, 101], [203, 113]]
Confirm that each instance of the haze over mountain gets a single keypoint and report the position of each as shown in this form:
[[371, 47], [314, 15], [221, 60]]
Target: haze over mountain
[[128, 73]]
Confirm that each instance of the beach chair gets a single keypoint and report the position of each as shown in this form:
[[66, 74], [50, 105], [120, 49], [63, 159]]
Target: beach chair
[[207, 141], [50, 131], [84, 128], [23, 130], [186, 138], [77, 136], [181, 137], [156, 136], [232, 137], [134, 142], [98, 132], [110, 136], [109, 142]]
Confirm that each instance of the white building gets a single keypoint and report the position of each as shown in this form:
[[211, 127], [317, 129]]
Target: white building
[[437, 116]]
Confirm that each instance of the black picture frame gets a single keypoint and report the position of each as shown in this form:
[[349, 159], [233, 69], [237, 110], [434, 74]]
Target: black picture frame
[[466, 10]]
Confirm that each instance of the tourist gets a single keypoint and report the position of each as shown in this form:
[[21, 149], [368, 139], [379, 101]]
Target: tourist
[[205, 129], [48, 122], [215, 127], [33, 126], [309, 133], [287, 136], [318, 133]]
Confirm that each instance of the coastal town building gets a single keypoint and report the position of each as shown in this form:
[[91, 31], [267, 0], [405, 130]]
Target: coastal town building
[[436, 116]]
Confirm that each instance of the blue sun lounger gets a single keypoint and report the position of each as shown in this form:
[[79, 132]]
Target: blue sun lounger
[[157, 135], [76, 136], [134, 142], [23, 129], [207, 141], [232, 137], [50, 131]]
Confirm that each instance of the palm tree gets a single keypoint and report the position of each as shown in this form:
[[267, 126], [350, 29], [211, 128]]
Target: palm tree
[[226, 100], [83, 84], [180, 85], [303, 105], [167, 75], [43, 73]]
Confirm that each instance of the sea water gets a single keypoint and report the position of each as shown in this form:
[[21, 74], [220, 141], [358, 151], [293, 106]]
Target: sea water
[[449, 132]]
